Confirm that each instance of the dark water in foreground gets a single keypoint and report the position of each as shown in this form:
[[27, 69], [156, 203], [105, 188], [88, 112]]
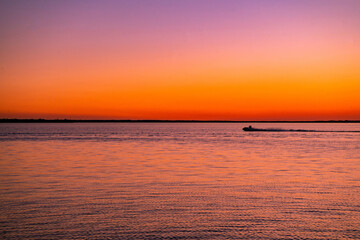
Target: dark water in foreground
[[179, 181]]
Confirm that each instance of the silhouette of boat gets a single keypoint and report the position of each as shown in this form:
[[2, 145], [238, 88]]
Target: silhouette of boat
[[251, 129]]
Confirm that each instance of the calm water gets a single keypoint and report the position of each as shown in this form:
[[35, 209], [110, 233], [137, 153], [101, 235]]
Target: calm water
[[179, 180]]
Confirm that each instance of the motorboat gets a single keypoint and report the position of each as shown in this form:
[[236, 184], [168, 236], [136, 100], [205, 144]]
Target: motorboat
[[250, 128]]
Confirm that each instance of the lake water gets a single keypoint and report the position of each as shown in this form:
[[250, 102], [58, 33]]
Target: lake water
[[179, 181]]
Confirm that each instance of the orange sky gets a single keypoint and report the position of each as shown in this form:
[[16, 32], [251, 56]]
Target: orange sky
[[215, 60]]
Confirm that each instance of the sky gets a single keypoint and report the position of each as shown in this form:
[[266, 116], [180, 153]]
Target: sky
[[180, 59]]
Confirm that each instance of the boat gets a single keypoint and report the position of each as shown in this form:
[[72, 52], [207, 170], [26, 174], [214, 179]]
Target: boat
[[250, 128]]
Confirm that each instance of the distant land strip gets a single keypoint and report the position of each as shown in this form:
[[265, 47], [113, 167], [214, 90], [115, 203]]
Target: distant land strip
[[40, 120]]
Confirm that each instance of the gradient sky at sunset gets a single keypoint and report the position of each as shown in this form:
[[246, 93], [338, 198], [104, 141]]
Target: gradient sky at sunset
[[184, 59]]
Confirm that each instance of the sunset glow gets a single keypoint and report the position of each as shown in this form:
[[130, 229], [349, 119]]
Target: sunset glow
[[199, 60]]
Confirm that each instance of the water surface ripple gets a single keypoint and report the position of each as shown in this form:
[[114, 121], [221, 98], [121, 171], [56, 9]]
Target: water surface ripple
[[179, 181]]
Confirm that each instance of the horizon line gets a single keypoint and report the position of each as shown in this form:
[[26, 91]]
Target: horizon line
[[39, 120]]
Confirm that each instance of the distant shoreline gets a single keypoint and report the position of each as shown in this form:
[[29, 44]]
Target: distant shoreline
[[14, 120]]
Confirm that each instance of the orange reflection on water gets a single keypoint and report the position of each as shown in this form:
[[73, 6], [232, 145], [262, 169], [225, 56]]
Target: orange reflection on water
[[184, 180]]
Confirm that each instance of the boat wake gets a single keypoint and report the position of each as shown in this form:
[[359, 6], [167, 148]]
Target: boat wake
[[251, 129]]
